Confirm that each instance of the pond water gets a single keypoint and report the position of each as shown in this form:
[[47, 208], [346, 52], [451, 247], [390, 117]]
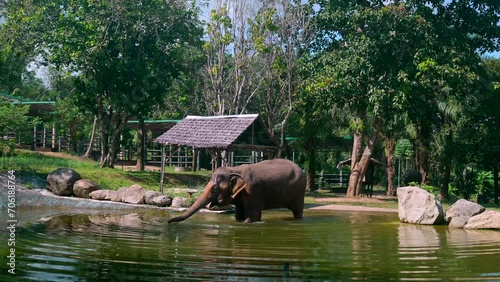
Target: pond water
[[324, 246]]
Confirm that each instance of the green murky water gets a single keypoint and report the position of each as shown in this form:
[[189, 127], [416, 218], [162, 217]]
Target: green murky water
[[325, 246]]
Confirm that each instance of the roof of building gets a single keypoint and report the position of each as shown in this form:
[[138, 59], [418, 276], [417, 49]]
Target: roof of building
[[157, 127], [221, 132], [348, 162]]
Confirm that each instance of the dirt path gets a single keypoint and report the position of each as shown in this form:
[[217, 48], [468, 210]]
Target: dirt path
[[352, 208]]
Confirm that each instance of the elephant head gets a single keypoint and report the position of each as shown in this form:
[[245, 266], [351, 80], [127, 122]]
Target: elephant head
[[220, 190]]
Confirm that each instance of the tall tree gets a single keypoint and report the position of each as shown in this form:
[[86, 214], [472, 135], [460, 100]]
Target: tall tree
[[387, 58], [230, 82], [367, 52], [281, 33], [125, 53]]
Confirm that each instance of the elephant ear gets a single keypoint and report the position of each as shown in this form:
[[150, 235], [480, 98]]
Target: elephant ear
[[238, 184]]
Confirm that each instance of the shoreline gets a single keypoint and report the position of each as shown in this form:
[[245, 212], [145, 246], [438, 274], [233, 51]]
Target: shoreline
[[42, 198]]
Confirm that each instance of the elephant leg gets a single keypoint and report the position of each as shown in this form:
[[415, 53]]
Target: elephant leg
[[252, 207], [297, 208], [253, 215], [253, 211], [239, 212]]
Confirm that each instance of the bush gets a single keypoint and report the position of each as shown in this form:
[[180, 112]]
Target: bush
[[6, 148]]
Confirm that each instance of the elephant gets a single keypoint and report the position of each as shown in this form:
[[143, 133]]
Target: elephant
[[251, 188]]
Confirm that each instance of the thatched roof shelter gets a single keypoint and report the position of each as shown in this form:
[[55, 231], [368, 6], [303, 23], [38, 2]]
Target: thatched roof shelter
[[218, 135], [219, 132]]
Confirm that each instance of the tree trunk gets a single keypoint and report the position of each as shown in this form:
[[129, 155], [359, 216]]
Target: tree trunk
[[390, 144], [496, 184], [422, 155], [357, 151], [360, 168], [72, 132], [310, 167], [104, 142], [140, 146], [119, 124], [92, 138], [443, 191]]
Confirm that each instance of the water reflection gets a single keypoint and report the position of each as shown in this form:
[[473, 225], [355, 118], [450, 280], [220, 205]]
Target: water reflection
[[324, 246]]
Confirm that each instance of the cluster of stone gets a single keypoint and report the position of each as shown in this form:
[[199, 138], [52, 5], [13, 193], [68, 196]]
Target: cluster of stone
[[67, 182], [417, 206]]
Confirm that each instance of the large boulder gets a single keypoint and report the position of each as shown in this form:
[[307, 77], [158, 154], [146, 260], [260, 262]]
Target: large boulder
[[134, 195], [180, 202], [417, 206], [161, 201], [61, 181], [485, 220], [118, 195], [104, 194], [149, 196], [83, 187], [459, 213]]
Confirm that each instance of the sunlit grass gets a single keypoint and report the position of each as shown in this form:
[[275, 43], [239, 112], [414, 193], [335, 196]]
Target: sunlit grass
[[34, 164]]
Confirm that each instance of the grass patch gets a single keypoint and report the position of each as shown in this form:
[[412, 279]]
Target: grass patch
[[29, 164]]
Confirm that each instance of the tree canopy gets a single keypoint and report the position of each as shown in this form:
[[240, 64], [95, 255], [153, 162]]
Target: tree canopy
[[385, 72], [123, 53]]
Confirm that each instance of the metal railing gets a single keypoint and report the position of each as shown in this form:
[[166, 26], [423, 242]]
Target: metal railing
[[332, 180]]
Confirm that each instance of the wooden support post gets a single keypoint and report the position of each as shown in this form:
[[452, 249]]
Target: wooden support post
[[33, 144], [195, 160], [162, 175], [54, 143], [44, 138]]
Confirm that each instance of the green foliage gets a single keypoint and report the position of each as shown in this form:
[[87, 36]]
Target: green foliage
[[14, 120], [484, 184], [430, 188], [404, 149]]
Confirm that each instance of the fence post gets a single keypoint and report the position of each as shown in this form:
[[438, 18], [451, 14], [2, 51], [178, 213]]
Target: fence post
[[33, 146]]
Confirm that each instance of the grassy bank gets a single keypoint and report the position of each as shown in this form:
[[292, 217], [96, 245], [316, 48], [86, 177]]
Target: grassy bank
[[35, 165]]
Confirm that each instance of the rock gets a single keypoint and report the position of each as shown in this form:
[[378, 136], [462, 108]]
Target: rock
[[118, 195], [104, 194], [161, 201], [458, 214], [134, 195], [418, 206], [179, 202], [61, 181], [458, 221], [83, 187], [485, 220], [149, 195]]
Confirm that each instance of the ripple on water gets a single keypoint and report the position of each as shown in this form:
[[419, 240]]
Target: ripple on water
[[323, 246]]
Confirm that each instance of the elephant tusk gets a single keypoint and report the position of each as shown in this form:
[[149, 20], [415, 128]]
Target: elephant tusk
[[238, 191]]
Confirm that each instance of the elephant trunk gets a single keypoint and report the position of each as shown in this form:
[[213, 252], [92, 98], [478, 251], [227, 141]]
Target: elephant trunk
[[201, 202]]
